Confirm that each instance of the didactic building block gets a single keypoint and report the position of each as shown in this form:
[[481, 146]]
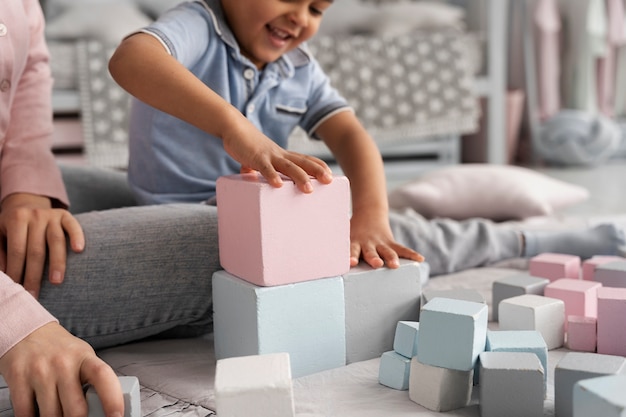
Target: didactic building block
[[258, 385], [535, 312], [589, 265], [555, 266], [272, 236], [437, 388], [514, 285], [132, 398], [394, 370], [306, 320], [611, 274], [582, 333], [601, 396], [580, 296], [611, 316]]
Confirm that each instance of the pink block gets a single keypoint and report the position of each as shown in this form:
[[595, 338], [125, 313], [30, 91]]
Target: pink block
[[580, 297], [589, 266], [611, 315], [273, 236], [581, 333], [555, 266]]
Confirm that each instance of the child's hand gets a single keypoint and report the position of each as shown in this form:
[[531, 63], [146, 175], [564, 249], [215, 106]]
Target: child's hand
[[371, 239], [256, 152]]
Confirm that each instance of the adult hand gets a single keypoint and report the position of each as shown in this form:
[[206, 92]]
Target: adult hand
[[46, 372], [372, 240], [32, 229]]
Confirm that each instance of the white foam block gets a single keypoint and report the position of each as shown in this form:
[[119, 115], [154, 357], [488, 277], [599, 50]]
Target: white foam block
[[576, 366], [258, 385], [534, 312], [439, 389], [601, 396], [306, 320], [132, 398], [511, 384], [376, 299], [274, 236], [452, 333]]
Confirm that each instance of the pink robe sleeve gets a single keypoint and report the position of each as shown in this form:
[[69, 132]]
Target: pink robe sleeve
[[20, 314]]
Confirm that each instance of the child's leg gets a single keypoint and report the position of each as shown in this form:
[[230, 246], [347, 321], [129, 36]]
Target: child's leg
[[450, 245], [604, 239]]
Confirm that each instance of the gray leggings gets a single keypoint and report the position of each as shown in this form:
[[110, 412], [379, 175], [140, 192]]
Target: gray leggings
[[146, 270]]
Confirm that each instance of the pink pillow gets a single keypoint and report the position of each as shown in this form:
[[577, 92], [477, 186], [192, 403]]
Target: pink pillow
[[497, 192]]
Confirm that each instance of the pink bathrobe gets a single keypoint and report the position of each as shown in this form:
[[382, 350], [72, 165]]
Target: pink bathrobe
[[27, 164]]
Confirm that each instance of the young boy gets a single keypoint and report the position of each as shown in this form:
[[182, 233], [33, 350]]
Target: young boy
[[221, 85]]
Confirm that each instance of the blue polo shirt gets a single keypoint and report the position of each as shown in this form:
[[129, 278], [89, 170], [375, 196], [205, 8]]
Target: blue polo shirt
[[173, 161]]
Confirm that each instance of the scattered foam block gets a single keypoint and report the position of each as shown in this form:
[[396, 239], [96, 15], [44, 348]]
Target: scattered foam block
[[511, 384], [581, 333], [132, 398], [306, 320], [601, 396], [258, 385], [535, 312], [439, 389], [611, 274], [375, 300], [273, 236], [528, 341], [518, 284], [555, 266], [611, 315], [576, 366], [452, 333], [456, 294], [589, 265], [394, 370], [580, 297], [406, 337]]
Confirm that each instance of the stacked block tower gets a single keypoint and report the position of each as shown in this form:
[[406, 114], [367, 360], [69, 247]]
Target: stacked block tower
[[287, 285]]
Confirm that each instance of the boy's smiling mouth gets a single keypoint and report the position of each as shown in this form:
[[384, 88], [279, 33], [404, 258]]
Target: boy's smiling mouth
[[279, 34]]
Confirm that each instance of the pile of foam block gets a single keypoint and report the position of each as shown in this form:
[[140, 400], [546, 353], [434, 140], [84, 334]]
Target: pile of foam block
[[288, 304]]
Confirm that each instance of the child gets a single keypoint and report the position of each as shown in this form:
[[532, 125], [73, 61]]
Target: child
[[221, 85]]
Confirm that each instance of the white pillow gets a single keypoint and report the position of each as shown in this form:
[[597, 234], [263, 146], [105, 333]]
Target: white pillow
[[107, 22], [497, 192]]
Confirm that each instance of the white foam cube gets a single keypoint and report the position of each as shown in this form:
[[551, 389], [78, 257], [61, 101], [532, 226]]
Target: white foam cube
[[376, 299], [439, 389], [512, 286], [511, 384], [394, 370], [528, 341], [452, 333], [306, 320], [274, 236], [258, 385], [601, 396], [406, 337], [534, 312], [576, 366], [132, 398], [611, 274]]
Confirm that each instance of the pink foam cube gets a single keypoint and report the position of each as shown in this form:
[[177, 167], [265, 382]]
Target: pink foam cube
[[580, 297], [555, 266], [273, 236], [611, 315], [581, 333], [589, 265]]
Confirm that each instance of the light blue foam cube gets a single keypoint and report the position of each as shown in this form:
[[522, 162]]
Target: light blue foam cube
[[452, 333], [405, 340], [394, 370], [602, 396], [306, 320], [519, 341]]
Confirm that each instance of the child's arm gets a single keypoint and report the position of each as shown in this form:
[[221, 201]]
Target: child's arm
[[357, 154], [142, 66]]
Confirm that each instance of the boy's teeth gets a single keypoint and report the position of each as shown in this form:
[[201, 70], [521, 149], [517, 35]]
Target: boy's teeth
[[280, 33]]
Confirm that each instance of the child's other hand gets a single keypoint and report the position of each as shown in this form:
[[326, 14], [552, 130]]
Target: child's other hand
[[256, 152], [371, 239]]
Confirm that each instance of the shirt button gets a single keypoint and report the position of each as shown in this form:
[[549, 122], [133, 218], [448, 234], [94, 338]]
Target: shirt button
[[5, 85], [251, 108], [248, 74], [3, 29]]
